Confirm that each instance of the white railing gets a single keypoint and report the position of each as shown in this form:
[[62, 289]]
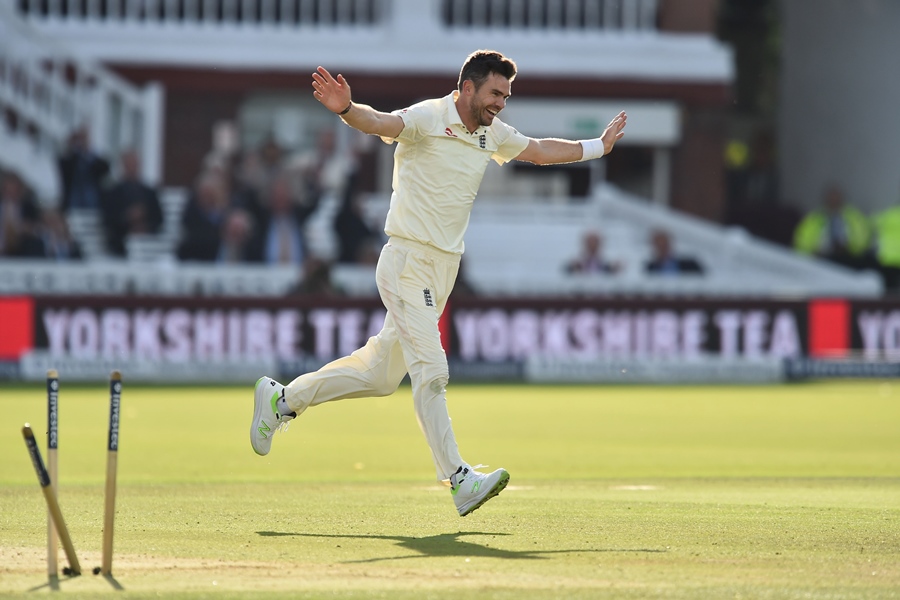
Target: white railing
[[41, 277], [556, 38], [506, 14], [50, 92], [626, 15], [226, 13]]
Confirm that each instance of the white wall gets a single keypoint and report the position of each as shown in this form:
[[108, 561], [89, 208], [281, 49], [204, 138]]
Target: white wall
[[839, 113]]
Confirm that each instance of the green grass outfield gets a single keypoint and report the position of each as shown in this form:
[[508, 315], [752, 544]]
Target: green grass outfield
[[616, 492]]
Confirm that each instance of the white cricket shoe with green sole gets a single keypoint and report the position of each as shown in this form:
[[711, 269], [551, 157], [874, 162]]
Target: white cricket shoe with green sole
[[266, 418], [471, 489]]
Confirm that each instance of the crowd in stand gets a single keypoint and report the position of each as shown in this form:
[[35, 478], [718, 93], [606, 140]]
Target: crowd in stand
[[249, 207], [126, 205], [254, 207], [663, 260], [27, 231]]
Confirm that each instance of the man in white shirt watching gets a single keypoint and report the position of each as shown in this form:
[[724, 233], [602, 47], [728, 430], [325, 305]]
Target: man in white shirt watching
[[444, 146]]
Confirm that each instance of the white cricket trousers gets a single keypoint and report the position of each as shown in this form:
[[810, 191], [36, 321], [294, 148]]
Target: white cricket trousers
[[414, 281]]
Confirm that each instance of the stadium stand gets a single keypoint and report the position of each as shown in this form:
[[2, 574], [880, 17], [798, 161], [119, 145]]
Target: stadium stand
[[520, 248], [49, 92], [514, 246], [161, 247]]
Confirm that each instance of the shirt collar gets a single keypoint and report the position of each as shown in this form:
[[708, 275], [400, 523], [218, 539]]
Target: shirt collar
[[453, 117]]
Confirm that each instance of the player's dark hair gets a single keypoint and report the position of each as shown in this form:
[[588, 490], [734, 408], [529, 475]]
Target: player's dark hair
[[481, 63]]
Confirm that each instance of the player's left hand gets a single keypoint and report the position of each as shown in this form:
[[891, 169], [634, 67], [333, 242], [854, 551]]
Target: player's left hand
[[613, 132]]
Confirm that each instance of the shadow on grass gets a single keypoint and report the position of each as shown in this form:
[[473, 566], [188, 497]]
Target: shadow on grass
[[450, 544], [53, 582], [113, 582]]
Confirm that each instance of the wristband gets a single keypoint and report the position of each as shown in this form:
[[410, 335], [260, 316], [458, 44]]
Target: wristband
[[346, 110], [591, 149]]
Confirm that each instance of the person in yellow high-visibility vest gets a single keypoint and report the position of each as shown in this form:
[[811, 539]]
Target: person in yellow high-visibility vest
[[886, 225], [837, 231]]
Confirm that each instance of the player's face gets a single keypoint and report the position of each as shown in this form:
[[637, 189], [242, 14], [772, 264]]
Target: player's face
[[490, 99]]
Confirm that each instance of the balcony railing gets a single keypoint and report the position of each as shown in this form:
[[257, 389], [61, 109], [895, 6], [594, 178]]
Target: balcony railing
[[247, 13], [583, 15], [583, 38], [586, 15]]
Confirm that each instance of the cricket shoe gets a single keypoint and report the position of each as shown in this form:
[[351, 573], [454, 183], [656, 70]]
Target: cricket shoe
[[266, 418], [471, 489]]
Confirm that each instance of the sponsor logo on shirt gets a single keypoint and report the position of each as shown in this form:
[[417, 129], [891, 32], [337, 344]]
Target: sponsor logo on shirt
[[449, 132], [427, 293]]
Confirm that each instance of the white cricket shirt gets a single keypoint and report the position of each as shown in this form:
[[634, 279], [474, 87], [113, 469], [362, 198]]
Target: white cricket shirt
[[438, 166]]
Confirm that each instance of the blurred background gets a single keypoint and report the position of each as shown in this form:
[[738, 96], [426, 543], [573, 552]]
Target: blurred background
[[174, 202]]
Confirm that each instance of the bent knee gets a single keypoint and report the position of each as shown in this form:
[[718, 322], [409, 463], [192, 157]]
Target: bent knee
[[385, 388], [439, 384]]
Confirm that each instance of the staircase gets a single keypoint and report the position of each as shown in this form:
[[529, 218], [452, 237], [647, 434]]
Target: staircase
[[46, 92]]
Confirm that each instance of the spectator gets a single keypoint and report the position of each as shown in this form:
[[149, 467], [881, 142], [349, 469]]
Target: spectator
[[752, 175], [327, 173], [886, 226], [258, 168], [837, 231], [129, 207], [19, 220], [590, 259], [665, 262], [328, 170], [316, 279], [248, 179], [282, 226], [83, 173], [357, 241], [57, 242], [754, 198], [237, 242], [203, 218]]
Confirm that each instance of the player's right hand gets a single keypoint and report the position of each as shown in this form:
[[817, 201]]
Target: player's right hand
[[333, 93]]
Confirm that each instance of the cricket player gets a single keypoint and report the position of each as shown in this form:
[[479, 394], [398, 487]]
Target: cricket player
[[443, 148]]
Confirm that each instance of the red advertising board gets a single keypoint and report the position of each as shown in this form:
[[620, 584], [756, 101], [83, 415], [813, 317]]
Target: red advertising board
[[302, 332]]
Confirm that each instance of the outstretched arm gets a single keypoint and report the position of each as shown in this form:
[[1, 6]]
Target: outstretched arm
[[334, 94], [551, 151]]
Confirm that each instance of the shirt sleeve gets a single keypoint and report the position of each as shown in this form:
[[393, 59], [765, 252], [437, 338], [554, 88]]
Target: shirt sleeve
[[512, 144], [417, 121]]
